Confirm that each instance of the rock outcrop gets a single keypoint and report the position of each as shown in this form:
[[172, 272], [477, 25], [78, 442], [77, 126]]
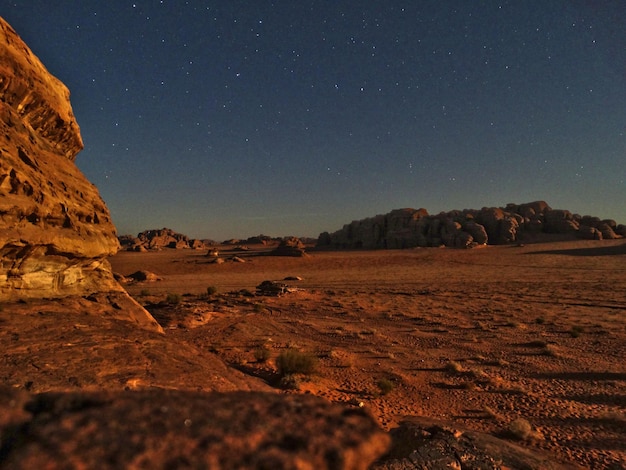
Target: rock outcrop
[[55, 231], [409, 228], [428, 443], [290, 246], [158, 239], [174, 429]]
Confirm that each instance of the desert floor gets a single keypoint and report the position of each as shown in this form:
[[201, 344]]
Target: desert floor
[[481, 336]]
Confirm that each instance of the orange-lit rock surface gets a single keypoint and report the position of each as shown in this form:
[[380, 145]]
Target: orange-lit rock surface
[[55, 230]]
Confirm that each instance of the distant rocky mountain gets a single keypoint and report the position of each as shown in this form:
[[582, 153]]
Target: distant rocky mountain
[[157, 239], [408, 228]]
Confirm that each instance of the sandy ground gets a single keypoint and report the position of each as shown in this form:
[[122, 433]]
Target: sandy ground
[[481, 337]]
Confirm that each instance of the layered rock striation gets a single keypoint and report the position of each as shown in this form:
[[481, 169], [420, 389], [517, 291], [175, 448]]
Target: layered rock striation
[[55, 230], [408, 228]]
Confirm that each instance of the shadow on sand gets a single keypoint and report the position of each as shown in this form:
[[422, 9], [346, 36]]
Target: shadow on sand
[[587, 376], [597, 251]]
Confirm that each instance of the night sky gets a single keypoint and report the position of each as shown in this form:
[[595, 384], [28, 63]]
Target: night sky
[[229, 118]]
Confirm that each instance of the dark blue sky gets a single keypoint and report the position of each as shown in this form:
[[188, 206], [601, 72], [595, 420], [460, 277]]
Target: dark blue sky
[[225, 119]]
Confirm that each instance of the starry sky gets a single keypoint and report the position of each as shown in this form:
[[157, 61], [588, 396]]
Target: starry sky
[[232, 118]]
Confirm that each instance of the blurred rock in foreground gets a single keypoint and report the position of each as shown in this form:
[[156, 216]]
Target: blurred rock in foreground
[[173, 429]]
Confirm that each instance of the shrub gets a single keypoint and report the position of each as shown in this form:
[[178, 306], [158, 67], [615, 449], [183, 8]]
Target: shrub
[[262, 354], [173, 299], [549, 350], [211, 290], [520, 429], [293, 361], [454, 367], [385, 386], [576, 331], [144, 292]]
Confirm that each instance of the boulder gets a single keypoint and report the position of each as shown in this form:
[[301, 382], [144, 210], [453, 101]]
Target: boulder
[[590, 221], [196, 244], [290, 246], [559, 221], [144, 276], [589, 233], [272, 288], [490, 218], [55, 230], [607, 231], [425, 443], [532, 208], [477, 232]]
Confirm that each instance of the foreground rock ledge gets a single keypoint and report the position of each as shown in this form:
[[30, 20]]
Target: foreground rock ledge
[[174, 429], [55, 230], [428, 443]]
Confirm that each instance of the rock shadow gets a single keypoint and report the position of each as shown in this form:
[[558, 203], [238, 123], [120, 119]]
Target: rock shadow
[[596, 251]]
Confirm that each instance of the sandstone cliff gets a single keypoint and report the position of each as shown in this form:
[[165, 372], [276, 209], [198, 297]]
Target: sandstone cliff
[[408, 228], [55, 230]]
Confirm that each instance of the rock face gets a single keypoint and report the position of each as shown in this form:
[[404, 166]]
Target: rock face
[[408, 228], [55, 230], [173, 429]]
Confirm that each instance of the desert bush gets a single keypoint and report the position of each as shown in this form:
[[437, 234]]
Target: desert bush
[[262, 353], [467, 385], [385, 386], [576, 331], [479, 374], [540, 320], [173, 299], [490, 413], [258, 307], [454, 367], [211, 291], [549, 350], [293, 361], [520, 429], [144, 292]]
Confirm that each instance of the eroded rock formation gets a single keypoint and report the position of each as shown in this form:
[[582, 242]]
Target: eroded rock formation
[[55, 230], [158, 239], [408, 228], [290, 246]]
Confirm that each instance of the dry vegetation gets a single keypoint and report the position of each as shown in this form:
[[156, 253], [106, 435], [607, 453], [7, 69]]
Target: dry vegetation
[[525, 342]]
